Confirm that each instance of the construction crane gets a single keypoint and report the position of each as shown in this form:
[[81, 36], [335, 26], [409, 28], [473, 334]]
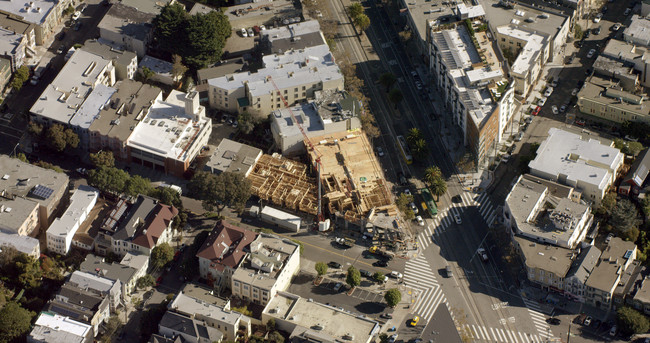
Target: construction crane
[[319, 212]]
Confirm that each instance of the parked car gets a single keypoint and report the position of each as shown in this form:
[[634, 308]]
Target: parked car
[[613, 331], [591, 53], [419, 220], [337, 287], [541, 102], [519, 136], [587, 321], [457, 219], [414, 208], [481, 252], [414, 321], [393, 338], [598, 17], [548, 92], [380, 151], [365, 273], [395, 275], [609, 238], [627, 12], [554, 109], [536, 111], [386, 316], [333, 264], [243, 32], [575, 91], [380, 263], [250, 32], [562, 108], [448, 271], [597, 30], [76, 15], [77, 26], [580, 122], [81, 171], [554, 321], [616, 27]]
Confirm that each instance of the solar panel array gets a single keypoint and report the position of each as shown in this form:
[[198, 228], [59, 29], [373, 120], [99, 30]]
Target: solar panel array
[[42, 192]]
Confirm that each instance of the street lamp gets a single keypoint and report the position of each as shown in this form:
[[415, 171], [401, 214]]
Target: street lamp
[[13, 153]]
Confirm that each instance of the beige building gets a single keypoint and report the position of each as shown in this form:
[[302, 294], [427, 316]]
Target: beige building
[[603, 99], [531, 49], [45, 15], [267, 269], [612, 264], [546, 265]]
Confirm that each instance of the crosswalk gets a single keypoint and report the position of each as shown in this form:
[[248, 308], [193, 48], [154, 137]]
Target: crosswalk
[[428, 295], [485, 334], [445, 218], [538, 318]]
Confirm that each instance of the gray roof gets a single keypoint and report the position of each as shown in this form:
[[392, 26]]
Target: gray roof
[[639, 171], [24, 244], [200, 8], [638, 30], [605, 275], [156, 338], [19, 178], [151, 7], [293, 36], [204, 294], [188, 305], [53, 328], [545, 257], [584, 263], [15, 211], [605, 92], [35, 11], [138, 213], [544, 20], [187, 326], [77, 303], [85, 280], [642, 293], [616, 69], [226, 67], [233, 157], [113, 271], [121, 57], [128, 21]]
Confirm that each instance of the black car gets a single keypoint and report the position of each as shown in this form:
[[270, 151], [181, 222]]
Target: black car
[[365, 273], [380, 263], [597, 30], [554, 321], [587, 34], [386, 316], [333, 264]]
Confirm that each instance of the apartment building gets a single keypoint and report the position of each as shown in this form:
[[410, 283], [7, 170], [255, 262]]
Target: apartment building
[[232, 157], [186, 329], [607, 273], [99, 285], [12, 47], [127, 28], [576, 278], [54, 328], [638, 32], [24, 244], [124, 61], [546, 265], [63, 229], [605, 99], [81, 305], [44, 15], [267, 269], [580, 162], [125, 274]]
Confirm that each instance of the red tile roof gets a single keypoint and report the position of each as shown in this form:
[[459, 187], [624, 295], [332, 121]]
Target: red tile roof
[[225, 245], [158, 221]]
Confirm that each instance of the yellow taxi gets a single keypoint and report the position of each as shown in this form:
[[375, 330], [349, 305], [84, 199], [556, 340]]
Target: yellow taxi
[[414, 321]]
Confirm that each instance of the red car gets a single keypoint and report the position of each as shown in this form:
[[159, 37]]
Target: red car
[[580, 122], [536, 111], [158, 281]]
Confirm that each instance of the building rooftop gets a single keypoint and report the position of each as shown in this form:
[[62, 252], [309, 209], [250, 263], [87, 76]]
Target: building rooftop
[[151, 7], [528, 55], [226, 245], [14, 211], [34, 12], [294, 36], [266, 260], [53, 328], [190, 327], [69, 221], [114, 271], [287, 70], [158, 66], [611, 265], [581, 160], [128, 106], [200, 8], [643, 292], [122, 57], [606, 92], [24, 180], [640, 169], [137, 213], [62, 98], [168, 129], [331, 322], [158, 220], [233, 157], [547, 257], [24, 244], [525, 16], [639, 29], [584, 263], [204, 294], [76, 303], [198, 308], [624, 51], [135, 261], [9, 41], [85, 280], [14, 23], [90, 109], [127, 21]]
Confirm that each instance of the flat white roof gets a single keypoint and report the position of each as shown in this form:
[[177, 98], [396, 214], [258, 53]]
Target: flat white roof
[[290, 69], [94, 103], [32, 11], [639, 29], [196, 307], [79, 203], [292, 30], [275, 213], [24, 244], [65, 95], [9, 40], [168, 130], [134, 261], [528, 55], [86, 280], [470, 11], [566, 153], [57, 322]]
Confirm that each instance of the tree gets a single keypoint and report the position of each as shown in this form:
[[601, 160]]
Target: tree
[[633, 148], [15, 321], [403, 201], [137, 184], [103, 158], [362, 22], [413, 135], [167, 196], [59, 137], [161, 255], [631, 321], [35, 129], [431, 174], [619, 143], [607, 205], [270, 324], [577, 32], [28, 270], [387, 80], [624, 219], [275, 337], [20, 76], [379, 276], [168, 28], [393, 296], [112, 324], [438, 188], [218, 191], [178, 69], [321, 268], [147, 73], [145, 281], [112, 180], [395, 96], [246, 122], [355, 9], [204, 42], [420, 149], [354, 277]]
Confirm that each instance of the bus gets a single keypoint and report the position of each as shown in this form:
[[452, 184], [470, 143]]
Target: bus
[[428, 199], [404, 149]]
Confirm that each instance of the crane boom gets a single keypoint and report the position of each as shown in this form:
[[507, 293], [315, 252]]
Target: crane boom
[[307, 141]]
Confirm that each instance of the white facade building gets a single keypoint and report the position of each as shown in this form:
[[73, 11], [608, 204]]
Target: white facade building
[[280, 218], [62, 230], [53, 328]]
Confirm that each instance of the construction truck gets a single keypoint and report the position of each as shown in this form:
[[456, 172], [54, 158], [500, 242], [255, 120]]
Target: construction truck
[[346, 242], [381, 252]]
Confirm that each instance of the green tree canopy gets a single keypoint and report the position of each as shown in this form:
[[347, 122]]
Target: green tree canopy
[[167, 196], [387, 80], [631, 321], [607, 204], [145, 281], [147, 73], [379, 276], [275, 337], [393, 296], [321, 268], [419, 149], [169, 28], [219, 191], [431, 174], [270, 324], [633, 148], [362, 22], [413, 135], [20, 76], [137, 184], [104, 158], [355, 9], [403, 201], [59, 137], [161, 255], [107, 179], [354, 277], [246, 122], [29, 271], [178, 68], [624, 219], [439, 187], [15, 321]]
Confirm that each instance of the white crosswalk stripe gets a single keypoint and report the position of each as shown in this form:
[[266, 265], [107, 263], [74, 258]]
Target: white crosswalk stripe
[[428, 295], [538, 318], [483, 334]]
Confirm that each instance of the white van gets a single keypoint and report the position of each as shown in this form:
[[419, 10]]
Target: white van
[[174, 187]]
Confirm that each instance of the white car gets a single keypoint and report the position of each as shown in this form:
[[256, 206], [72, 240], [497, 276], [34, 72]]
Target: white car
[[617, 26], [627, 12], [548, 92], [414, 208], [250, 32], [481, 252], [598, 17], [380, 151], [396, 275], [393, 338], [420, 220], [457, 219], [591, 53], [575, 91], [243, 32], [262, 27], [541, 102], [76, 15], [554, 109]]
